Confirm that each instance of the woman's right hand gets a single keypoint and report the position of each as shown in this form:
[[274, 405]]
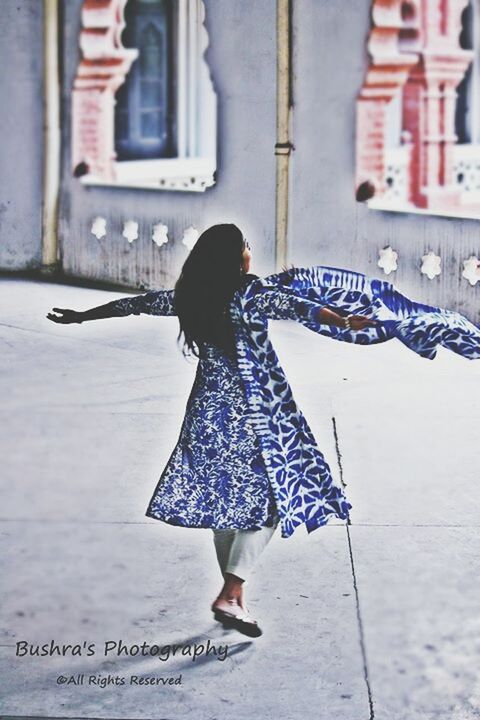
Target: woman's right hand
[[356, 322], [359, 322], [65, 316]]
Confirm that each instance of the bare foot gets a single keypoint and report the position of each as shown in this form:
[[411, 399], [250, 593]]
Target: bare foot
[[232, 590], [229, 605]]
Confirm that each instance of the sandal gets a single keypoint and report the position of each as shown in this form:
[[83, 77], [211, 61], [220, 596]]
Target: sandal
[[240, 621]]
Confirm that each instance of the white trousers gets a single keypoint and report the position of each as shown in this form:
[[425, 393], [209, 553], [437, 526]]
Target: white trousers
[[238, 550]]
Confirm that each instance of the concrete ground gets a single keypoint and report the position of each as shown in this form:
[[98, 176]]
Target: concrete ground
[[379, 619]]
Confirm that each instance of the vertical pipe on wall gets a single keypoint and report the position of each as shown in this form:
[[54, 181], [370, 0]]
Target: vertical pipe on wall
[[182, 75], [51, 136], [283, 145], [192, 78]]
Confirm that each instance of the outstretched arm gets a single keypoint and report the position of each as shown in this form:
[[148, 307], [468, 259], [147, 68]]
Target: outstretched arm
[[66, 316], [281, 303], [156, 302], [325, 316]]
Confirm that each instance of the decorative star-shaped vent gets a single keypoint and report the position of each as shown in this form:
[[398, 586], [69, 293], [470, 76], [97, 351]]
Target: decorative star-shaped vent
[[159, 234], [387, 260], [130, 230], [471, 269], [190, 237], [99, 227], [431, 265]]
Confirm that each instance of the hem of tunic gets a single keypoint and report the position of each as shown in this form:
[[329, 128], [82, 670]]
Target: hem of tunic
[[178, 523], [318, 520], [321, 519]]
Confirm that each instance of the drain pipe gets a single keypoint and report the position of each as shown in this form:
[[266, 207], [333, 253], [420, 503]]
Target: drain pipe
[[51, 137], [283, 145]]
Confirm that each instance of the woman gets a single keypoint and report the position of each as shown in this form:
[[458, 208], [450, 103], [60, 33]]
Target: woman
[[246, 460]]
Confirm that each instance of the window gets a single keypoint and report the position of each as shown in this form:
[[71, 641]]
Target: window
[[143, 107], [418, 111], [467, 113], [466, 109], [144, 112]]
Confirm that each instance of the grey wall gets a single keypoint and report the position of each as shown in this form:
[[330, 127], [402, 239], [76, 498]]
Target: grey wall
[[327, 226], [242, 59], [21, 134]]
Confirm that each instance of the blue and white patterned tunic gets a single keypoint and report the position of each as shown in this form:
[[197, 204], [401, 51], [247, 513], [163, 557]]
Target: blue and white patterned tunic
[[245, 451]]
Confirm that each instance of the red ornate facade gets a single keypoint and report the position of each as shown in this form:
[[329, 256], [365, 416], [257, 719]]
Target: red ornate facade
[[415, 50], [102, 69]]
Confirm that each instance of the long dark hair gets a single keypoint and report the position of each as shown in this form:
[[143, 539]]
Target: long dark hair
[[210, 276]]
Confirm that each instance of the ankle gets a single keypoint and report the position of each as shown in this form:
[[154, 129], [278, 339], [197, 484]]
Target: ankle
[[229, 595], [233, 579]]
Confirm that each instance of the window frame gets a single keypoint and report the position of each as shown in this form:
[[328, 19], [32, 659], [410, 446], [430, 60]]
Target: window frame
[[102, 70]]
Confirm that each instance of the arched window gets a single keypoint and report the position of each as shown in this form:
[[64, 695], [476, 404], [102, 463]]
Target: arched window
[[467, 115], [144, 112], [466, 111]]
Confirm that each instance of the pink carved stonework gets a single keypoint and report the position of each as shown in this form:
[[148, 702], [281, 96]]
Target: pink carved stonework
[[429, 105], [103, 67], [388, 71], [414, 48]]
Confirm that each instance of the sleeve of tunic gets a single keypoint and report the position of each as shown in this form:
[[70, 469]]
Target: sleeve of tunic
[[284, 304], [155, 302]]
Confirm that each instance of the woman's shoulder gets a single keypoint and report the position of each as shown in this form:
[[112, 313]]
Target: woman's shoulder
[[246, 282], [249, 277]]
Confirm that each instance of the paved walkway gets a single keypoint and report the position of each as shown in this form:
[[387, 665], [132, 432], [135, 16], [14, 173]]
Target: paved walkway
[[377, 619]]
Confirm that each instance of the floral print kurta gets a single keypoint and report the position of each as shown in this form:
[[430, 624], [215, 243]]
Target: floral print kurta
[[215, 476], [245, 451]]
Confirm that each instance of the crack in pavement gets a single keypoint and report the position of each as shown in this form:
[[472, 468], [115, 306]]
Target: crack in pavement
[[361, 633]]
